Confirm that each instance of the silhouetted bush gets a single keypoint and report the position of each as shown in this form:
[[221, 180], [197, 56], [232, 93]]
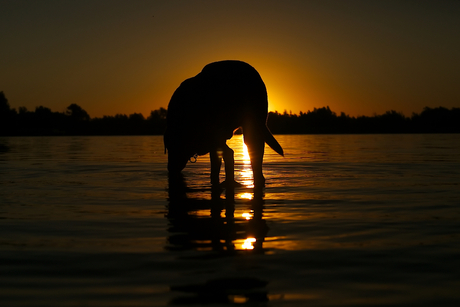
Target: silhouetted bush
[[7, 116]]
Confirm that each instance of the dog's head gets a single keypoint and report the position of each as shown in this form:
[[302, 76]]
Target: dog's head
[[179, 151]]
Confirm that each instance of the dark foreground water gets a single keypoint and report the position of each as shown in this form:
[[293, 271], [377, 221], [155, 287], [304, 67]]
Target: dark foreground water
[[346, 220]]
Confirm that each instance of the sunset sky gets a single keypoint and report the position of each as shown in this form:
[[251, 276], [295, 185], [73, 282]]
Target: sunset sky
[[358, 57]]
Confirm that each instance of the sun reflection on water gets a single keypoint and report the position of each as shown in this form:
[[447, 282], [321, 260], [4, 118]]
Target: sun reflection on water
[[246, 171], [248, 243], [246, 158], [245, 196]]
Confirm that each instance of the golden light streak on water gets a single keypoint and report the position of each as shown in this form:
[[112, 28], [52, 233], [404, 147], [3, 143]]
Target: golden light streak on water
[[247, 215], [248, 243], [245, 196], [246, 178], [246, 158], [246, 171]]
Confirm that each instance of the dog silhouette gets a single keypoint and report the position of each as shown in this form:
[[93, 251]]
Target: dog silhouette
[[204, 112]]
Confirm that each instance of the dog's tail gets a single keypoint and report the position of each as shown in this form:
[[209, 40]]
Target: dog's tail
[[272, 142]]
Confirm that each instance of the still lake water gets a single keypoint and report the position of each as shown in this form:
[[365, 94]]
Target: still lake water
[[345, 220]]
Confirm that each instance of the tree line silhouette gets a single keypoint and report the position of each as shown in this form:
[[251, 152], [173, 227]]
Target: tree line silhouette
[[323, 120], [76, 121]]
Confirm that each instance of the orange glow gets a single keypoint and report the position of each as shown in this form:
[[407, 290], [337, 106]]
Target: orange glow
[[245, 196], [238, 299], [243, 170], [247, 215], [297, 47], [246, 171], [248, 243], [246, 158]]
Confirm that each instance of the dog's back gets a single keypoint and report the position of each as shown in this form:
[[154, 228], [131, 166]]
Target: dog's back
[[206, 109], [220, 99]]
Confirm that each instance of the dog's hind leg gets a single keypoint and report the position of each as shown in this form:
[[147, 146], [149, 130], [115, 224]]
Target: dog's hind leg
[[256, 145]]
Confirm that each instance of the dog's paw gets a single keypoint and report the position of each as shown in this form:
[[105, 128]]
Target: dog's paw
[[231, 184]]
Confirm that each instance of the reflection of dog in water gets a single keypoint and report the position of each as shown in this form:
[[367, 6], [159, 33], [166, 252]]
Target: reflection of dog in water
[[217, 229], [205, 111], [212, 232]]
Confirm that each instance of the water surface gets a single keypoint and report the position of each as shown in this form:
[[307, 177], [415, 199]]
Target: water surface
[[345, 220]]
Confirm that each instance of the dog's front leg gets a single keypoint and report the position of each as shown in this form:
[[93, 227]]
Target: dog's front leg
[[216, 163], [227, 154]]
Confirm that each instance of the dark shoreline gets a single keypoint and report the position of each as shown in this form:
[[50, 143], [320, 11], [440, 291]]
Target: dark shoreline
[[76, 121]]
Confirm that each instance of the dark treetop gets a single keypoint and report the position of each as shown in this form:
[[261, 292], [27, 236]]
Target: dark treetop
[[76, 121]]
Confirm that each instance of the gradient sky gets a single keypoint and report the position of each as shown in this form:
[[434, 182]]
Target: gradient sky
[[358, 57]]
